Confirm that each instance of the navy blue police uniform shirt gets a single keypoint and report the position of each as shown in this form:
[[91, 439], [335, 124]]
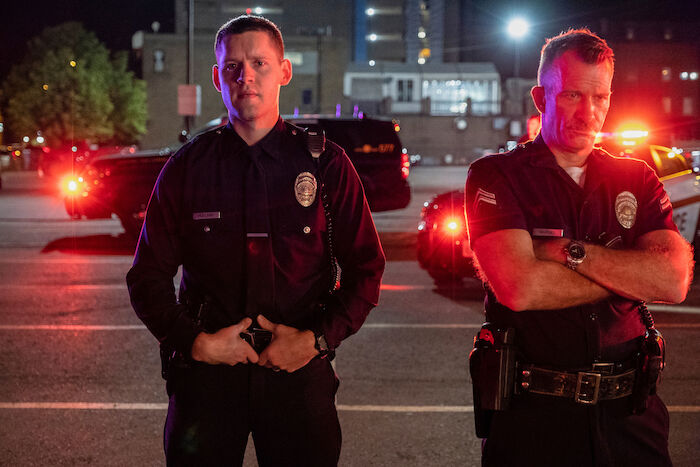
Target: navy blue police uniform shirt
[[526, 189], [195, 218]]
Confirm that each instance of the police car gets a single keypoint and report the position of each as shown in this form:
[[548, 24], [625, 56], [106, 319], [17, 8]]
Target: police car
[[121, 183], [443, 243]]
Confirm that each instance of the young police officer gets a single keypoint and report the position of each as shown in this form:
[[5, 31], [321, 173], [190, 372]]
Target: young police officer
[[241, 208], [570, 240]]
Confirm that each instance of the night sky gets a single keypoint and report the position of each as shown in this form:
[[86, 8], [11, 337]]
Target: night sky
[[114, 22]]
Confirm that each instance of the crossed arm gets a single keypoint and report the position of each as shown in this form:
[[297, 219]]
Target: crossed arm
[[530, 274]]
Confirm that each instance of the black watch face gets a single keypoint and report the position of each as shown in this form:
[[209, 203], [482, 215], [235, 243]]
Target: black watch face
[[577, 251]]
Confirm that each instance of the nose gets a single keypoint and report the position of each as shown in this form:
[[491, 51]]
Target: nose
[[245, 73], [587, 108]]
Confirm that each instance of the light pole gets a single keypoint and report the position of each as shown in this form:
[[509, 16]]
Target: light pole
[[517, 29]]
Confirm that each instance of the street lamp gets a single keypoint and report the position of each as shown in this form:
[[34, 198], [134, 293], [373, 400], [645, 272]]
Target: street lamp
[[517, 29]]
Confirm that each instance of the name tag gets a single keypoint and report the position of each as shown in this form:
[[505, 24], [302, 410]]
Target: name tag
[[547, 232], [198, 216]]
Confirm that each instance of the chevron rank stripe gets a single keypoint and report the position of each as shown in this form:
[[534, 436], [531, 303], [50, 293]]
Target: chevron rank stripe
[[483, 196]]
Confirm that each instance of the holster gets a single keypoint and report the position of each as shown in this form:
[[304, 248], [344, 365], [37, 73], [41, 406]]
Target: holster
[[650, 362], [492, 368]]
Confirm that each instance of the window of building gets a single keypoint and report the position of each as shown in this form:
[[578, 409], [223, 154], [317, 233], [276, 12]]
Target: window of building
[[688, 106], [405, 90], [158, 61], [666, 104], [666, 74], [306, 96], [449, 97]]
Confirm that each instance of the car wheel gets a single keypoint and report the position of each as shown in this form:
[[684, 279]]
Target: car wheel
[[132, 220]]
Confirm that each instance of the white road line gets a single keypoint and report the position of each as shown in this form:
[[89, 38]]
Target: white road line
[[341, 407], [420, 326], [674, 308], [70, 260], [65, 286], [72, 327], [141, 327]]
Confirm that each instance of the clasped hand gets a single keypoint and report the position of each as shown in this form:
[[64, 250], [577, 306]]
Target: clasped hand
[[289, 349]]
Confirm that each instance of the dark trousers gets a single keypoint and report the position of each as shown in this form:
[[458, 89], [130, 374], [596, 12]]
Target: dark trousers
[[547, 431], [292, 416]]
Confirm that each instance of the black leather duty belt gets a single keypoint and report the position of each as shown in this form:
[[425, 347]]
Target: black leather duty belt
[[584, 387]]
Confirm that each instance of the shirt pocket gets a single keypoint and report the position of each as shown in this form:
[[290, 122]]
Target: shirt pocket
[[214, 238], [302, 238]]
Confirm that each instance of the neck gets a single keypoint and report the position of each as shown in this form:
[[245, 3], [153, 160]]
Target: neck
[[254, 130], [567, 159]]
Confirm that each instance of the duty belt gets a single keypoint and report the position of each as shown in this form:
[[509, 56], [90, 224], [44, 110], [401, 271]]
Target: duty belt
[[585, 387]]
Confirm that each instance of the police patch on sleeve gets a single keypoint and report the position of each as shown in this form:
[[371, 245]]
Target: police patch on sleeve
[[626, 209], [305, 189]]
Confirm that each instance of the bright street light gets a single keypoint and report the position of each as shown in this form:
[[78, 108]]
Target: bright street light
[[517, 28]]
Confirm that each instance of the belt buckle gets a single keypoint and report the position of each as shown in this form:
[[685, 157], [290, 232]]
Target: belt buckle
[[604, 368], [584, 381]]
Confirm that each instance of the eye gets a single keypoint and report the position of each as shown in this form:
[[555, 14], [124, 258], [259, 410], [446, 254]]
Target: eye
[[229, 67], [260, 62]]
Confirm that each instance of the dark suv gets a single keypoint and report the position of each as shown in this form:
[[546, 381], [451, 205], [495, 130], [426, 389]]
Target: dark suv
[[122, 183]]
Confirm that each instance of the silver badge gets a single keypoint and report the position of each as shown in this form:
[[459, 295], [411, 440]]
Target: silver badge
[[305, 189], [626, 209]]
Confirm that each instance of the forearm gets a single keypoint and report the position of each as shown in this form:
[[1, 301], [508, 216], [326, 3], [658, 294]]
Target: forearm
[[545, 285], [655, 273], [343, 316]]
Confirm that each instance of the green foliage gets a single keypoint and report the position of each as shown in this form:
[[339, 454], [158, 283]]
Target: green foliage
[[97, 100]]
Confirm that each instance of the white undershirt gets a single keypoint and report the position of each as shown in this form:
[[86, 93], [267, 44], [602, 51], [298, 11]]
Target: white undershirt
[[578, 174]]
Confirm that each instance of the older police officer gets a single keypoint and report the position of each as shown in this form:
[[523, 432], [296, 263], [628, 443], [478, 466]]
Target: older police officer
[[570, 241], [258, 225]]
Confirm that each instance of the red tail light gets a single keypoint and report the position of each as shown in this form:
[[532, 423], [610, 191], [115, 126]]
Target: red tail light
[[405, 165]]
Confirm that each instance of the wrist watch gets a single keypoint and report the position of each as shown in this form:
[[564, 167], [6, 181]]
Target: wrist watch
[[575, 254], [321, 345]]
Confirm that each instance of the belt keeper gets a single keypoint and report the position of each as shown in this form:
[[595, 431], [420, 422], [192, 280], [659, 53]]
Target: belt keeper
[[525, 379]]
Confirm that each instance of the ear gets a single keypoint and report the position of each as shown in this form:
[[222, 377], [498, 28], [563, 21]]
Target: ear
[[215, 77], [537, 93], [286, 72]]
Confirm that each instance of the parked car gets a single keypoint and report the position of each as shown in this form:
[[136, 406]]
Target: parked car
[[443, 243], [121, 183]]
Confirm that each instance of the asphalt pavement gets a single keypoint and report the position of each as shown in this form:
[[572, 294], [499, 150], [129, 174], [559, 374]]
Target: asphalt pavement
[[80, 378]]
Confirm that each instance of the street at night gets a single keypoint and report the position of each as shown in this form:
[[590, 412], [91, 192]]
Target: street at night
[[81, 379]]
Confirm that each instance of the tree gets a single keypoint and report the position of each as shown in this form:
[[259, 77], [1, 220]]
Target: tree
[[68, 88]]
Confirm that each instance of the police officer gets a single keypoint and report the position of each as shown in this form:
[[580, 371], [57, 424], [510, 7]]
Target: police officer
[[258, 224], [570, 241]]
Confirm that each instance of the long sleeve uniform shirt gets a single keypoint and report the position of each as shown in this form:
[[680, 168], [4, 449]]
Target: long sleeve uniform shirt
[[196, 219]]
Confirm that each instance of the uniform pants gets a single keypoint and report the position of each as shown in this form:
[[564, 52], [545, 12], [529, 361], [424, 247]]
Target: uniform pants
[[549, 431], [292, 416]]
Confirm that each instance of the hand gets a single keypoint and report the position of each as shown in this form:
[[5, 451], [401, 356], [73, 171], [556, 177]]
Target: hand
[[290, 348], [551, 250], [224, 346]]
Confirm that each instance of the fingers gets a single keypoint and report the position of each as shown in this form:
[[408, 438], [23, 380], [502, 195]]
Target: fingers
[[266, 324], [243, 324], [250, 354]]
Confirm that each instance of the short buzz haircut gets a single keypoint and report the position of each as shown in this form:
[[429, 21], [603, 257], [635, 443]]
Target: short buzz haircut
[[245, 23], [586, 45]]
